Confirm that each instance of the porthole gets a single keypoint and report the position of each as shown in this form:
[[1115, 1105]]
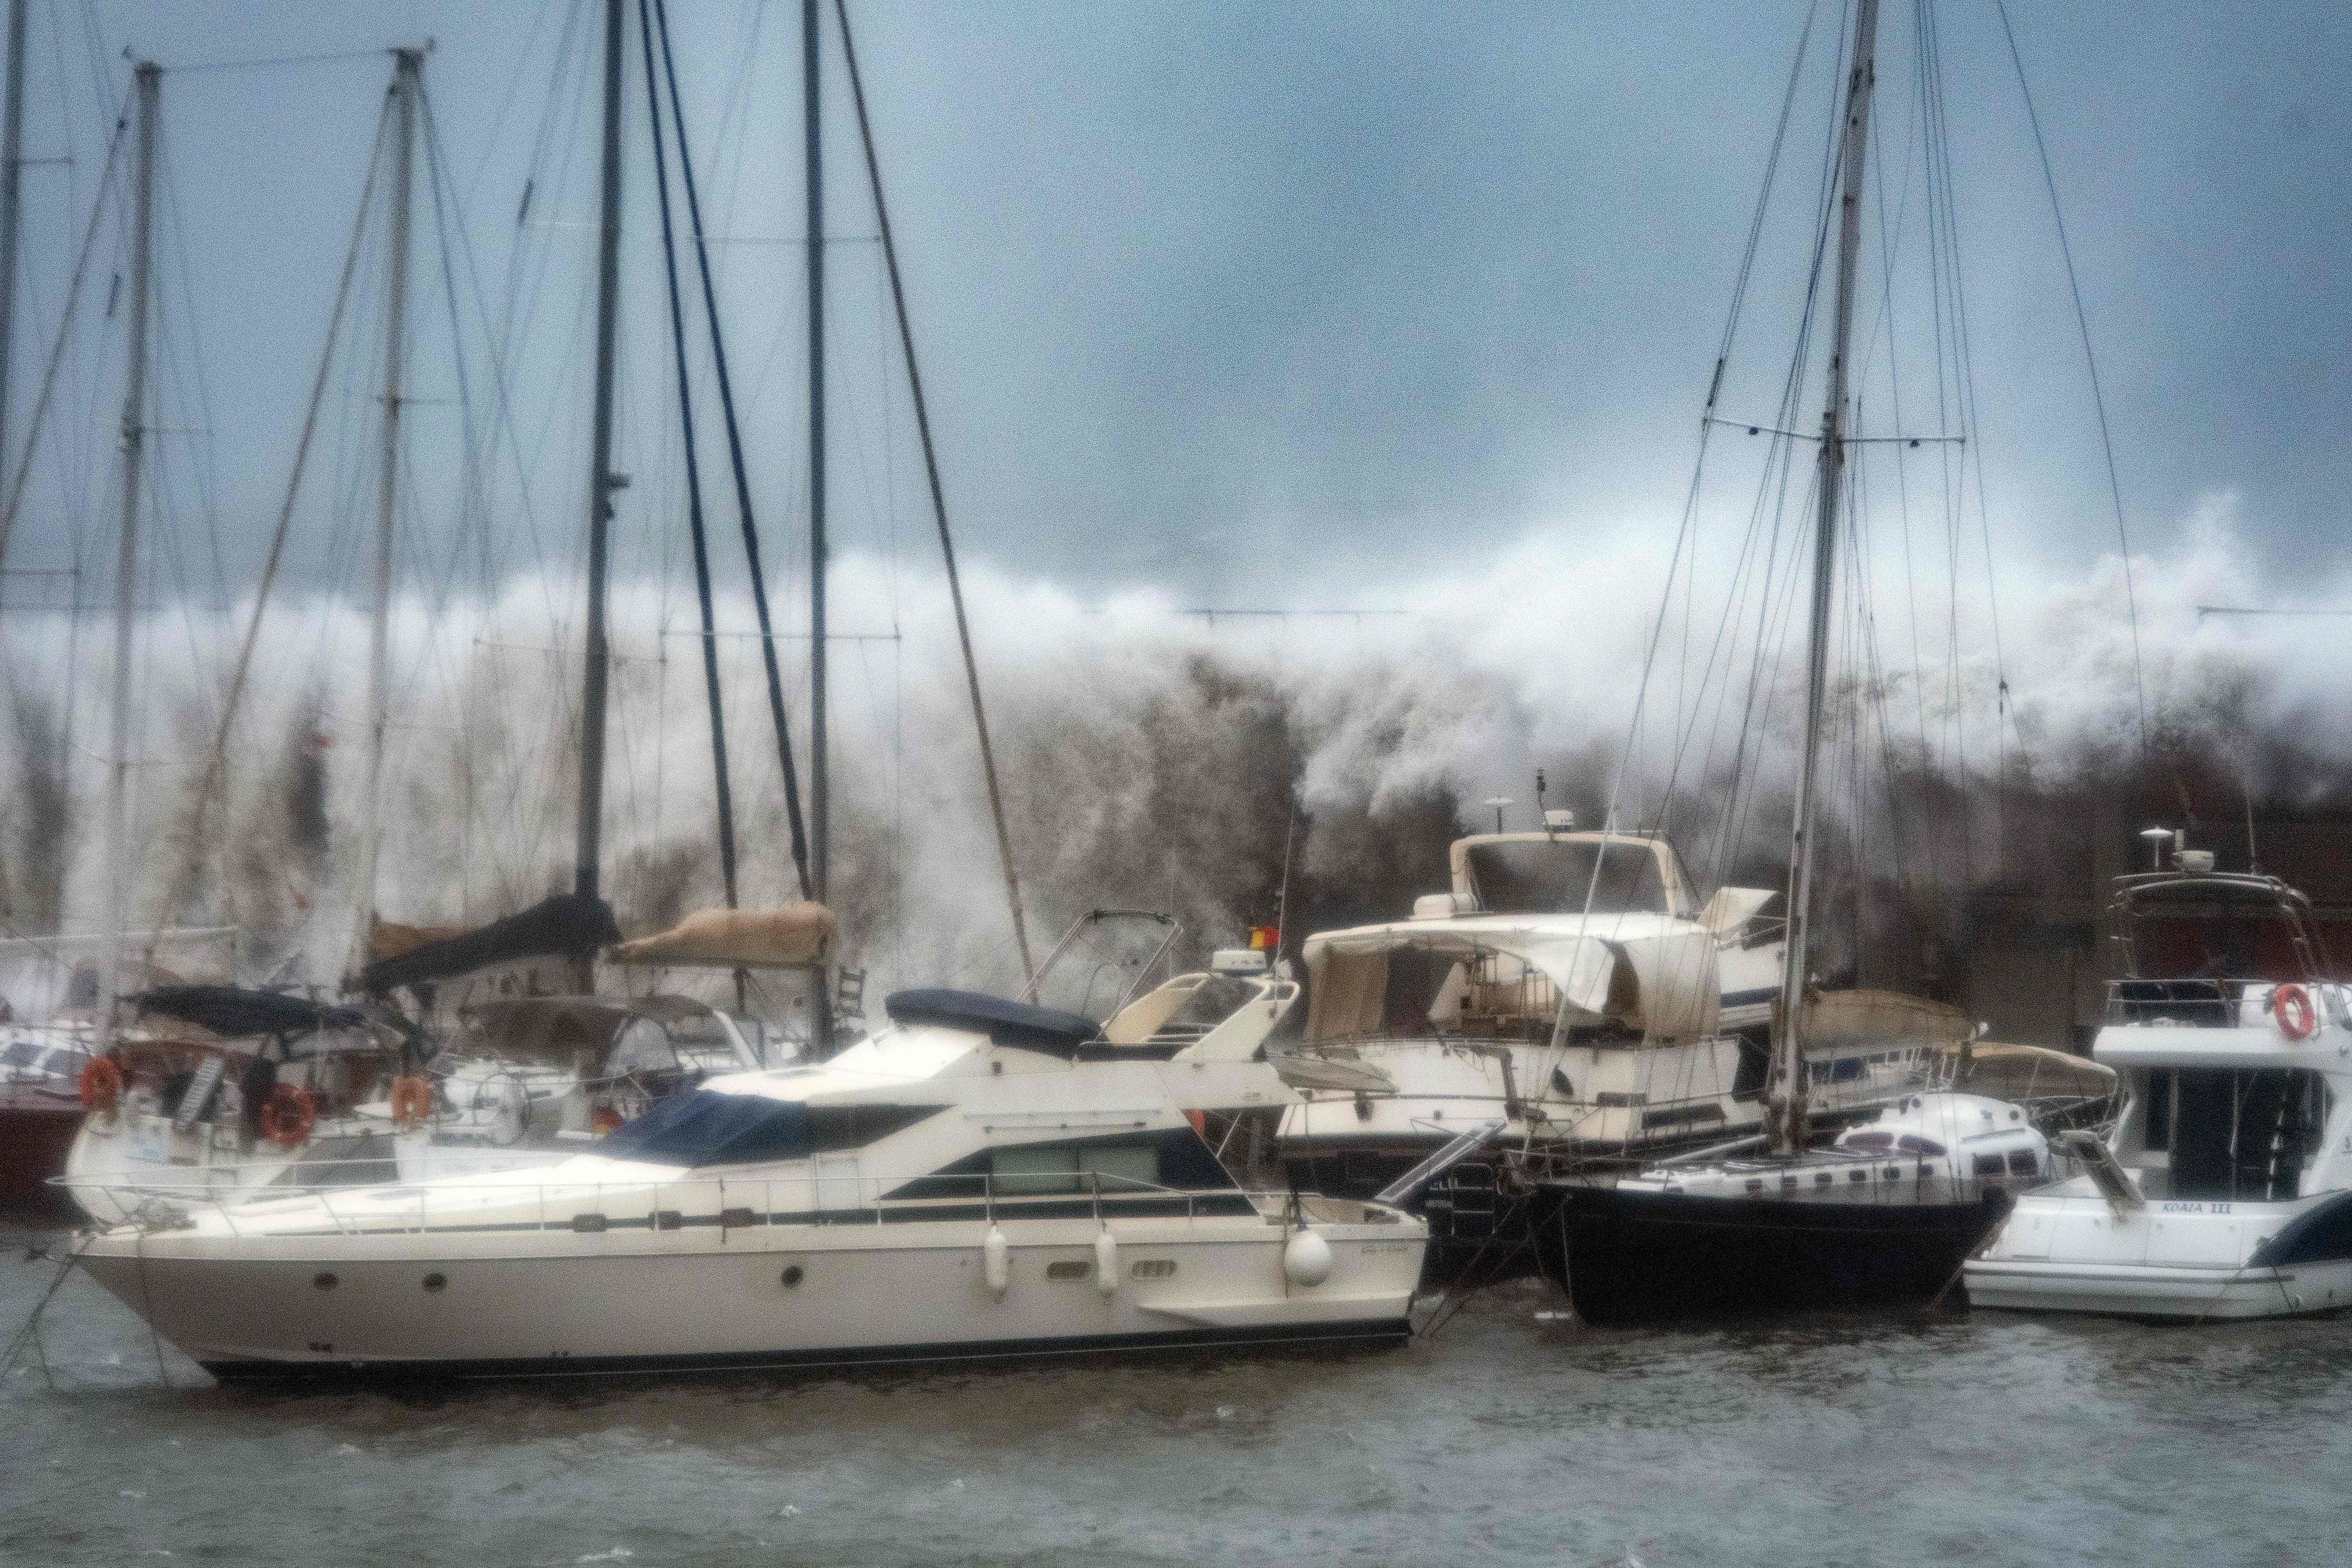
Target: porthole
[[792, 1276], [325, 1282], [1153, 1268], [1069, 1269], [437, 1281]]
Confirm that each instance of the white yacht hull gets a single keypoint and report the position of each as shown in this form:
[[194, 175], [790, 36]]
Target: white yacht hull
[[513, 1300], [2065, 1250]]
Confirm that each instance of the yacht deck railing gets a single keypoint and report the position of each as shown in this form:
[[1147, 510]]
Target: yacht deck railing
[[725, 1203]]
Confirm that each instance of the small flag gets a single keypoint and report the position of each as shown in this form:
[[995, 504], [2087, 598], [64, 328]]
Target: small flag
[[1264, 939]]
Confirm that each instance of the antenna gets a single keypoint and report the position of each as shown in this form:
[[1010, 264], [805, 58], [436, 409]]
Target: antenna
[[2156, 839], [2254, 855], [1498, 802]]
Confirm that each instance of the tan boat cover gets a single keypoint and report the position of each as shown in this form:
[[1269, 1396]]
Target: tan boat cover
[[390, 939], [788, 938], [2022, 1073], [1882, 1018], [1667, 985]]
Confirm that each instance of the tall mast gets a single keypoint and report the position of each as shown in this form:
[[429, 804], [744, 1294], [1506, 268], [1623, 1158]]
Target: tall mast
[[820, 801], [406, 63], [147, 80], [12, 163], [601, 479], [1786, 1124]]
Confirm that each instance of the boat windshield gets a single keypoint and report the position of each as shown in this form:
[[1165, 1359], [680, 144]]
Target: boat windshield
[[2217, 940], [704, 1127], [1555, 876], [707, 1129]]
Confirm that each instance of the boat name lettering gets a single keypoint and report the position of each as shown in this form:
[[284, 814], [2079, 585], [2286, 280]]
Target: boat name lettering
[[2197, 1208]]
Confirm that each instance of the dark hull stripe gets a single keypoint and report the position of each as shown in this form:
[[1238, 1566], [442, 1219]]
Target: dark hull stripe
[[2322, 1234], [1371, 1333]]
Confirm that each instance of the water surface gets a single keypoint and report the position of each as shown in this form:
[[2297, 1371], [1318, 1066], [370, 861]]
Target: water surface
[[1508, 1435]]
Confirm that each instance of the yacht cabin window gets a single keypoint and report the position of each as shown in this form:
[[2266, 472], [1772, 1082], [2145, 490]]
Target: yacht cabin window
[[1556, 876], [1020, 1172], [1410, 993]]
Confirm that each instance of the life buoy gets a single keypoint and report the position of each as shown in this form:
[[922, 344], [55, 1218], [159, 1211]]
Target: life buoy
[[288, 1116], [2297, 1016], [100, 1084], [412, 1101]]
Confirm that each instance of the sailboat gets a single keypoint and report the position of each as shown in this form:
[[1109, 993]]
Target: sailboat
[[1890, 1212]]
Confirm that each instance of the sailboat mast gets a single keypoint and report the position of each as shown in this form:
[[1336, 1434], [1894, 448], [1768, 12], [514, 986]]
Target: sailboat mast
[[820, 796], [406, 64], [601, 479], [147, 80], [1786, 1125], [12, 163]]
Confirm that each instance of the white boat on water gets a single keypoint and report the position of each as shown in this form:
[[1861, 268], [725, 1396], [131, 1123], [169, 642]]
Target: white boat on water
[[981, 1179], [1616, 1035], [2225, 1190]]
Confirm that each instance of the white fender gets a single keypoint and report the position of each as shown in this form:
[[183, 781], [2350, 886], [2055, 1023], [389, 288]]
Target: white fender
[[1306, 1258], [1105, 1263], [995, 1261]]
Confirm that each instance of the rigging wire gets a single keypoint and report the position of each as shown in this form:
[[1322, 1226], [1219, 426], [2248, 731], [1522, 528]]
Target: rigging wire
[[726, 802], [65, 320], [2090, 359], [743, 479], [216, 755], [939, 499]]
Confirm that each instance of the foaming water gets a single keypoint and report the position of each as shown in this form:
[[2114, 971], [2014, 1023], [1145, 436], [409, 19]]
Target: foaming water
[[1506, 1436]]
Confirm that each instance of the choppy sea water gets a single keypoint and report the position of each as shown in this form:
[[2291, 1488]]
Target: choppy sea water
[[1506, 1436]]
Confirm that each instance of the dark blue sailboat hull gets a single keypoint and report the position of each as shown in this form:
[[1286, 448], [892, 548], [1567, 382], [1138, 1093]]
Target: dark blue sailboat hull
[[1631, 1258]]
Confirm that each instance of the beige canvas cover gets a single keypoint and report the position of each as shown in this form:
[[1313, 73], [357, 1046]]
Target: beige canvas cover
[[788, 938], [390, 939], [2025, 1073], [1881, 1018], [1668, 985]]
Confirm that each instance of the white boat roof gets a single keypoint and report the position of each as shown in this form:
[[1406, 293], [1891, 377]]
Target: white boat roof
[[1523, 935]]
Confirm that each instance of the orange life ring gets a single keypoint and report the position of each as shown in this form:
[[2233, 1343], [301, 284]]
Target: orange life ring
[[2297, 1015], [288, 1116], [412, 1101], [100, 1084]]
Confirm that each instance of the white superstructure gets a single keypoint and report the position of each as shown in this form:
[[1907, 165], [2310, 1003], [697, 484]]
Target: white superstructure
[[980, 1179], [2225, 1190], [1572, 984]]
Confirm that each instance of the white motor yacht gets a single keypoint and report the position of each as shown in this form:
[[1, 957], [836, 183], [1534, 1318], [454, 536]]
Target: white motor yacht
[[2225, 1190], [980, 1179], [1617, 1037]]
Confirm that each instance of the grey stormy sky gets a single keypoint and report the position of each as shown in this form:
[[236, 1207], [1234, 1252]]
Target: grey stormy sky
[[1259, 303]]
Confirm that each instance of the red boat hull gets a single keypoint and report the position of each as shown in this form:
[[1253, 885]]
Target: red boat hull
[[37, 1129]]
